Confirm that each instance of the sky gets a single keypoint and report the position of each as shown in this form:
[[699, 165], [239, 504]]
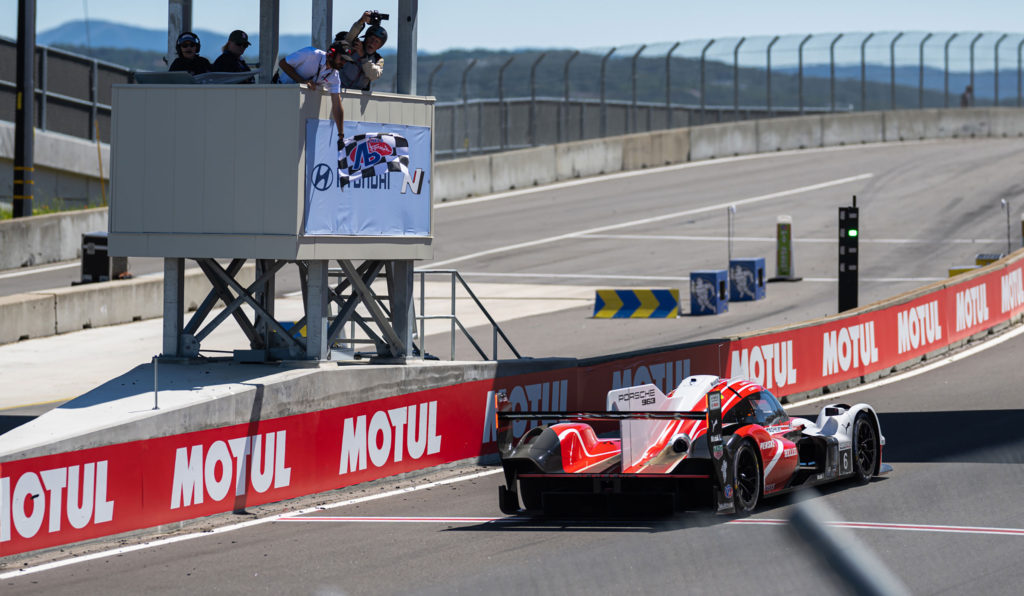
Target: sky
[[579, 24]]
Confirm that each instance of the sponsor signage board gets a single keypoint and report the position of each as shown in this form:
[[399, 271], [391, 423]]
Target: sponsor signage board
[[389, 203]]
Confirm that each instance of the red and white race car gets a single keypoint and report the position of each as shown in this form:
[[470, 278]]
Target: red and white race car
[[727, 441]]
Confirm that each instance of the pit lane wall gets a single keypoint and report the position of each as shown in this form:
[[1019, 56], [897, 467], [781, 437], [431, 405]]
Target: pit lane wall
[[282, 446]]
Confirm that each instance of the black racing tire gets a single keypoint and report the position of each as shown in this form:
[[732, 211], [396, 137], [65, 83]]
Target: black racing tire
[[530, 493], [865, 448], [747, 478]]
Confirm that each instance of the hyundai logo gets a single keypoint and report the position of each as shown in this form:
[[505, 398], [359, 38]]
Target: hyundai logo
[[323, 176]]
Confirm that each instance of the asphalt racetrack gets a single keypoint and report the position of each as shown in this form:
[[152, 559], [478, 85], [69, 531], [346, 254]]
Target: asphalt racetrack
[[948, 519]]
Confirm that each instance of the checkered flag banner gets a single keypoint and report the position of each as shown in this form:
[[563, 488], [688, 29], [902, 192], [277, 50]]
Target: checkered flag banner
[[372, 154]]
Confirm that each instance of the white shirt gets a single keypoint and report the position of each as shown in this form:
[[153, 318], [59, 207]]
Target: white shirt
[[311, 63]]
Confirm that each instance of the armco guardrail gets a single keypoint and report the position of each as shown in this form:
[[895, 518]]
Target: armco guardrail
[[351, 425]]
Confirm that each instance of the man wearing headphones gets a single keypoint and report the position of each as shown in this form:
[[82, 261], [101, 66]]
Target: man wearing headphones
[[188, 58], [314, 68], [366, 65]]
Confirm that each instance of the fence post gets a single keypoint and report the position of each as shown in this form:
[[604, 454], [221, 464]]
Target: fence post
[[920, 72], [997, 68], [736, 79], [465, 107], [832, 71], [863, 72], [1019, 47], [892, 70], [800, 59], [94, 94], [564, 109], [533, 99], [702, 78], [604, 108], [430, 80], [768, 77], [945, 85], [632, 109], [668, 85], [974, 41], [502, 108]]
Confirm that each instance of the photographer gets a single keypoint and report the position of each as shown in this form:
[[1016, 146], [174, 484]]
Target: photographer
[[312, 67], [366, 65]]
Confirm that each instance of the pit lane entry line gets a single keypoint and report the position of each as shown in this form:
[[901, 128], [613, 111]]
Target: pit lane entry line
[[753, 522]]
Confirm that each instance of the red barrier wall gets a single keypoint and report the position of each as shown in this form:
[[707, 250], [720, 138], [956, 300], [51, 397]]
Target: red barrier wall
[[69, 497]]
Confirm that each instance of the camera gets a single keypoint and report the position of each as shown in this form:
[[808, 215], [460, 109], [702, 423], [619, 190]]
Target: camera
[[376, 17]]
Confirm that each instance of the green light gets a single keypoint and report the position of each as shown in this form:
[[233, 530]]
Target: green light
[[851, 233]]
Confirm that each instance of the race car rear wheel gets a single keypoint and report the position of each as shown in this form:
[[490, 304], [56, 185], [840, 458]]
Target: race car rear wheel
[[748, 478], [865, 448]]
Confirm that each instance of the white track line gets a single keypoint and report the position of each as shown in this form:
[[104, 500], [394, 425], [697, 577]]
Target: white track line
[[674, 277], [255, 522], [684, 166], [795, 240], [749, 522], [655, 219], [39, 270]]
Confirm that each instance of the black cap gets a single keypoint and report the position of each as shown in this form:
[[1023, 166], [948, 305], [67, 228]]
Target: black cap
[[238, 36]]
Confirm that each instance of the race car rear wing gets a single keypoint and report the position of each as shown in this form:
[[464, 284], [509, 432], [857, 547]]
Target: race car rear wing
[[505, 415]]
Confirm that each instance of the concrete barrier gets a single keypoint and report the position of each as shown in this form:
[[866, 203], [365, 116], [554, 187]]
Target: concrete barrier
[[63, 310], [723, 140], [960, 124], [523, 168], [781, 134], [202, 396], [581, 159], [653, 149], [852, 129], [26, 316], [48, 238], [461, 178], [66, 168], [911, 125], [1006, 122], [60, 152]]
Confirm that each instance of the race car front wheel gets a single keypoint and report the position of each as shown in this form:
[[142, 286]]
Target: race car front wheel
[[748, 479], [865, 448]]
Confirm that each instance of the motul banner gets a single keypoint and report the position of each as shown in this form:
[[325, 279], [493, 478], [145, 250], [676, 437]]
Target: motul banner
[[811, 357], [76, 496], [86, 494]]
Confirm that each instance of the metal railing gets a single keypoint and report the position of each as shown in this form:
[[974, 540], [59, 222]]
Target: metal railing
[[452, 316], [359, 320], [480, 126], [73, 92]]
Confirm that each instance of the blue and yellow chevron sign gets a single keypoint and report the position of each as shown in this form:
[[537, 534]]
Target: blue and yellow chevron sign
[[289, 326], [636, 304]]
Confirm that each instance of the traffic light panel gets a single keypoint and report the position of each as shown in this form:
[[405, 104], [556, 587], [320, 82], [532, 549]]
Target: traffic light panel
[[849, 234]]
